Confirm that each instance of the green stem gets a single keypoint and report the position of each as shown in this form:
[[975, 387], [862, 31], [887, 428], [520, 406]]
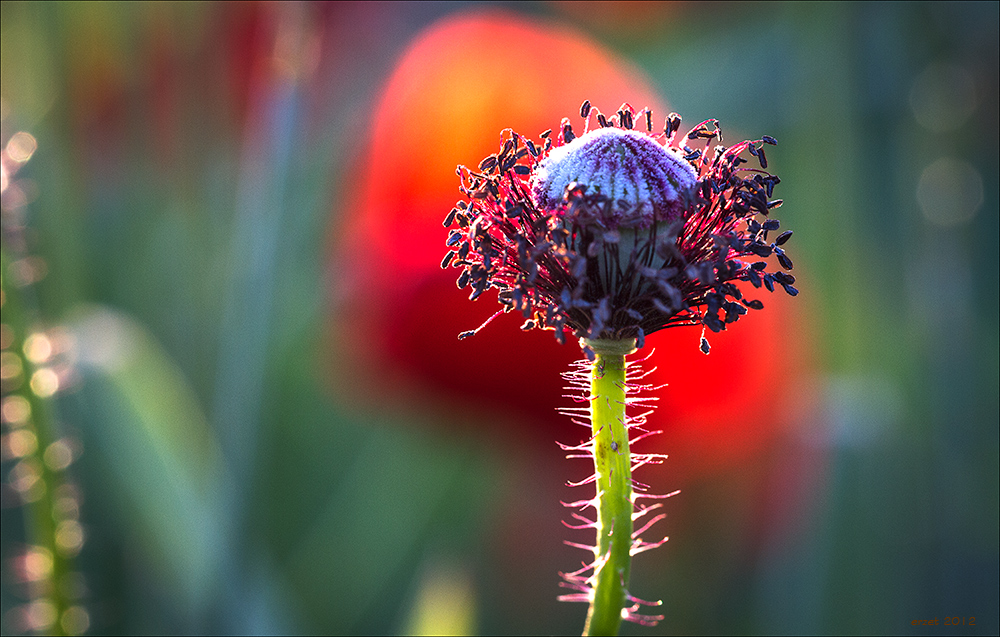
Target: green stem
[[614, 486], [41, 517]]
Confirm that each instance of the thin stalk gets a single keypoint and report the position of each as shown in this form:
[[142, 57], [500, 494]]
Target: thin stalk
[[614, 486], [47, 582]]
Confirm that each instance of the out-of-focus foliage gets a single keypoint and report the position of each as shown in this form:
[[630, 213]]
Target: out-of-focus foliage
[[231, 208]]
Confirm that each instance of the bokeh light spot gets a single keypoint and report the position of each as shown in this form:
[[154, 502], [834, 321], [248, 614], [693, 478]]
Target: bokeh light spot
[[445, 604], [40, 615], [27, 271], [26, 479], [75, 620], [950, 192], [19, 443], [58, 455], [37, 348], [15, 410], [35, 565], [44, 382], [21, 147], [69, 537], [6, 336], [10, 367], [943, 97], [66, 503]]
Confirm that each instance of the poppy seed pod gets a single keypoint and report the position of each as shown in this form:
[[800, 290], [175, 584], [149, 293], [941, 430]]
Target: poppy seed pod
[[619, 233]]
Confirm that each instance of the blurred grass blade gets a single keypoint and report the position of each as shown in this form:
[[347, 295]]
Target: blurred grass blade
[[154, 442]]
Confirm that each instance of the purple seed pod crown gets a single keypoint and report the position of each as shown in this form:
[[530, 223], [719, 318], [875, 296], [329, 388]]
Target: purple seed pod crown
[[619, 232]]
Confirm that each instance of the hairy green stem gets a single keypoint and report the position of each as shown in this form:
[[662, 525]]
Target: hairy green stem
[[614, 486]]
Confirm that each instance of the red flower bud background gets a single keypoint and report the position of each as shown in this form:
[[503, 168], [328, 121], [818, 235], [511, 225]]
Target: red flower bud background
[[399, 314]]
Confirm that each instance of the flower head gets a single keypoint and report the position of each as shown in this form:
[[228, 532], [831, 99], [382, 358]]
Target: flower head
[[619, 232]]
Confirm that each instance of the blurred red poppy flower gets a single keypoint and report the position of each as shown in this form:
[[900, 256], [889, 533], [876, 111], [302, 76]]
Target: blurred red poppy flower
[[397, 313]]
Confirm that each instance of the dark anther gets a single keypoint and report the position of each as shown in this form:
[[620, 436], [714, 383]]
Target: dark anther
[[759, 265], [733, 311], [662, 307], [508, 146], [545, 134], [675, 121], [705, 347], [453, 238], [649, 121], [771, 224], [783, 237], [446, 261], [603, 312], [713, 302], [566, 298], [450, 219], [754, 304], [463, 280], [783, 278], [466, 334], [489, 163], [522, 170], [626, 119], [693, 155], [585, 109], [767, 139], [769, 282], [774, 204], [694, 132], [567, 131], [784, 261], [762, 157], [791, 291], [531, 148], [602, 120], [528, 325]]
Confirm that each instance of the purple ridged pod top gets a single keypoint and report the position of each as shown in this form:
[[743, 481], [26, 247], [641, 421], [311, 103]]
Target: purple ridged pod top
[[643, 179]]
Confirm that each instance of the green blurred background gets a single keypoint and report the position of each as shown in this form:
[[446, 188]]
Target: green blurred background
[[172, 235]]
